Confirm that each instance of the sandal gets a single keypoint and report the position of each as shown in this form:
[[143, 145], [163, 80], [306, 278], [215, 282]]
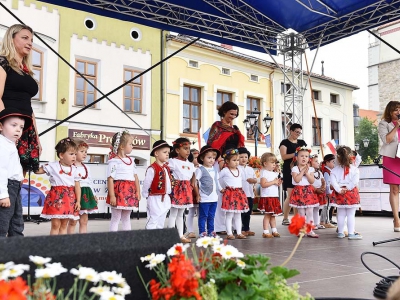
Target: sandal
[[230, 237], [285, 222], [241, 237], [312, 235]]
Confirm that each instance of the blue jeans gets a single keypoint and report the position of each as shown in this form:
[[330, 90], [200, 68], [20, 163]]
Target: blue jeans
[[207, 215]]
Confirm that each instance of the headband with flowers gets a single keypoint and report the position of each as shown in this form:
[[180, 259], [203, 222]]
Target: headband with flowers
[[114, 149], [180, 144], [68, 140], [84, 145], [298, 149], [230, 152]]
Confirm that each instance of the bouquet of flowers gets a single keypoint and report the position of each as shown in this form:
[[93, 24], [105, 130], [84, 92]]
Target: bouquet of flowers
[[255, 162], [216, 270]]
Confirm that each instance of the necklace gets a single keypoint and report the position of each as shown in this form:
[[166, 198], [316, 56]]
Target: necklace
[[234, 174], [62, 170], [86, 171], [130, 160], [319, 175]]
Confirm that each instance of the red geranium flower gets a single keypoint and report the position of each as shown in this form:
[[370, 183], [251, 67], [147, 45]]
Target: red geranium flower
[[14, 289], [297, 224]]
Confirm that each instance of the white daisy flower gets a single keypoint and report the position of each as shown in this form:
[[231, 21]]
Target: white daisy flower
[[218, 248], [56, 267], [112, 277], [204, 242], [122, 290], [38, 260], [173, 251], [88, 274], [240, 263], [212, 280], [159, 258], [4, 275], [98, 290], [228, 252], [46, 273], [110, 296], [18, 270], [147, 257], [6, 266], [216, 240]]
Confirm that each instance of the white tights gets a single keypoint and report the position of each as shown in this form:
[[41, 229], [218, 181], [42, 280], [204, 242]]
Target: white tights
[[237, 221], [176, 217], [190, 218], [350, 213], [122, 215], [316, 215], [308, 213]]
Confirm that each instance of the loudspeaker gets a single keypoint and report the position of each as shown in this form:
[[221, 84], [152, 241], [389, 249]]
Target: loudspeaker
[[105, 251]]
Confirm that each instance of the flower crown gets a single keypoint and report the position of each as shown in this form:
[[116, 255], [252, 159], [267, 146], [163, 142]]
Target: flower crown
[[230, 152], [180, 144], [298, 149], [66, 140], [118, 141]]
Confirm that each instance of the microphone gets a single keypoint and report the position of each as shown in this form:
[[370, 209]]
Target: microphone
[[398, 117], [378, 159]]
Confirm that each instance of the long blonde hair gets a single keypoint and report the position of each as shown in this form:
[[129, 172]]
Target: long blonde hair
[[8, 49]]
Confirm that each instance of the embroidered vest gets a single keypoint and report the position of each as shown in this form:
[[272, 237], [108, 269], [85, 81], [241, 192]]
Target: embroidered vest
[[206, 180], [158, 185]]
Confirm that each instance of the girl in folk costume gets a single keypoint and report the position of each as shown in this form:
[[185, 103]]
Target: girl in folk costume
[[88, 199], [326, 167], [122, 182], [62, 202], [269, 202], [344, 179], [157, 186], [319, 190], [302, 195], [234, 200], [185, 182], [193, 211]]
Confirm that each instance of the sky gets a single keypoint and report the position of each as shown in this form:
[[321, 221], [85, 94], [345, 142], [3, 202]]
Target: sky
[[344, 60]]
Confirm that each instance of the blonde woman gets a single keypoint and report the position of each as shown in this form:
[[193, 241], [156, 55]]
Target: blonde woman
[[18, 87]]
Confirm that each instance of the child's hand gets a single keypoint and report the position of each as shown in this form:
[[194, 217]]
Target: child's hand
[[113, 201], [222, 191], [305, 169], [198, 199], [77, 206], [5, 202], [343, 191]]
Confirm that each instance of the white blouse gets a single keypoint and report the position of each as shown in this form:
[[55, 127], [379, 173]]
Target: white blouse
[[10, 166], [181, 170], [121, 169], [304, 180], [227, 179], [61, 175], [350, 181], [273, 190], [87, 182], [318, 181]]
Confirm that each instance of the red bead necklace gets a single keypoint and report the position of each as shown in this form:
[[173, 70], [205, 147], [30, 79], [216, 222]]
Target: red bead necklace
[[234, 174], [130, 160], [62, 170], [86, 172]]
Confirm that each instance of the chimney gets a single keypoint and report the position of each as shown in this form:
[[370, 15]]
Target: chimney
[[229, 47], [322, 63]]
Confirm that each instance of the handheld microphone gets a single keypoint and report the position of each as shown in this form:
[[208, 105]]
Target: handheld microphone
[[377, 160], [398, 117]]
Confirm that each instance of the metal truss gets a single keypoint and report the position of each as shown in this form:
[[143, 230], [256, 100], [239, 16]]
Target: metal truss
[[318, 7]]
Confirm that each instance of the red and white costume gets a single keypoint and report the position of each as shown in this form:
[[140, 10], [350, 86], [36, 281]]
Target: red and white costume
[[350, 181], [182, 171], [269, 201], [233, 199], [302, 195], [318, 184]]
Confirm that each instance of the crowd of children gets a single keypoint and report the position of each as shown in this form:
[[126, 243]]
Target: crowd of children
[[180, 178]]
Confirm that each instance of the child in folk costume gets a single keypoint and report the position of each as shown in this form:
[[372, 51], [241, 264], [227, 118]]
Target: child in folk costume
[[193, 211], [88, 199], [248, 181], [12, 124], [207, 178], [157, 186], [269, 202], [326, 167], [344, 179], [234, 200], [122, 182], [319, 190], [302, 195], [62, 202], [185, 181]]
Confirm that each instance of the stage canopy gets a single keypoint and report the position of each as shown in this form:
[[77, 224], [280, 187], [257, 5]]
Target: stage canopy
[[251, 24]]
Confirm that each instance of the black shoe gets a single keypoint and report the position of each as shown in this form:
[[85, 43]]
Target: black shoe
[[332, 222]]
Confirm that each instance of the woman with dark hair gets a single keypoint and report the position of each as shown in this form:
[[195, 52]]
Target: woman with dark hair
[[288, 148], [389, 132]]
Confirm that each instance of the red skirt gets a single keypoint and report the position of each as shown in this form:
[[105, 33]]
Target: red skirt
[[234, 200], [182, 196], [321, 199], [270, 205], [60, 203], [349, 199], [125, 194], [303, 196]]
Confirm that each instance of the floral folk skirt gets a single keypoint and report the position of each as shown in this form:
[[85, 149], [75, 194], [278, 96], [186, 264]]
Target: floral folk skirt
[[234, 200], [60, 203], [88, 201], [28, 150], [270, 205], [303, 196], [182, 196], [125, 194], [349, 199], [322, 199]]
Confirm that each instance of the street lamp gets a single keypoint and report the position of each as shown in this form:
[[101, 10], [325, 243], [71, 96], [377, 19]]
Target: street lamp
[[251, 125], [357, 147], [365, 142]]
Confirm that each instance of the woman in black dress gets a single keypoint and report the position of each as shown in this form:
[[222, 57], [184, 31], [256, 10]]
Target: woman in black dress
[[17, 87], [287, 148]]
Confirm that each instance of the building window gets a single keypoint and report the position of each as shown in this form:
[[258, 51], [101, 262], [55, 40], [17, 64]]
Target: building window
[[252, 104], [334, 98], [191, 109], [335, 131], [85, 94], [133, 91], [254, 78], [316, 95], [226, 71], [37, 64], [96, 158], [316, 140], [285, 88], [223, 97], [193, 63]]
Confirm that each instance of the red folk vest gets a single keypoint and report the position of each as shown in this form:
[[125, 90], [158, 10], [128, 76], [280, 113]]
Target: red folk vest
[[158, 185]]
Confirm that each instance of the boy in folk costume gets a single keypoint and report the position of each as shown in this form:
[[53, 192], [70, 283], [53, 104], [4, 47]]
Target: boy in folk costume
[[157, 186]]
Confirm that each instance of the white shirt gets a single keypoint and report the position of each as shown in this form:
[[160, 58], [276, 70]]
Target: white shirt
[[148, 179], [61, 175], [273, 190], [304, 180], [10, 165], [327, 178], [87, 182], [350, 181], [318, 181], [227, 179], [119, 169], [213, 197], [247, 173], [181, 170]]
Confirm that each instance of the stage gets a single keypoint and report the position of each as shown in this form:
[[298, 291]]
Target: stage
[[329, 267]]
